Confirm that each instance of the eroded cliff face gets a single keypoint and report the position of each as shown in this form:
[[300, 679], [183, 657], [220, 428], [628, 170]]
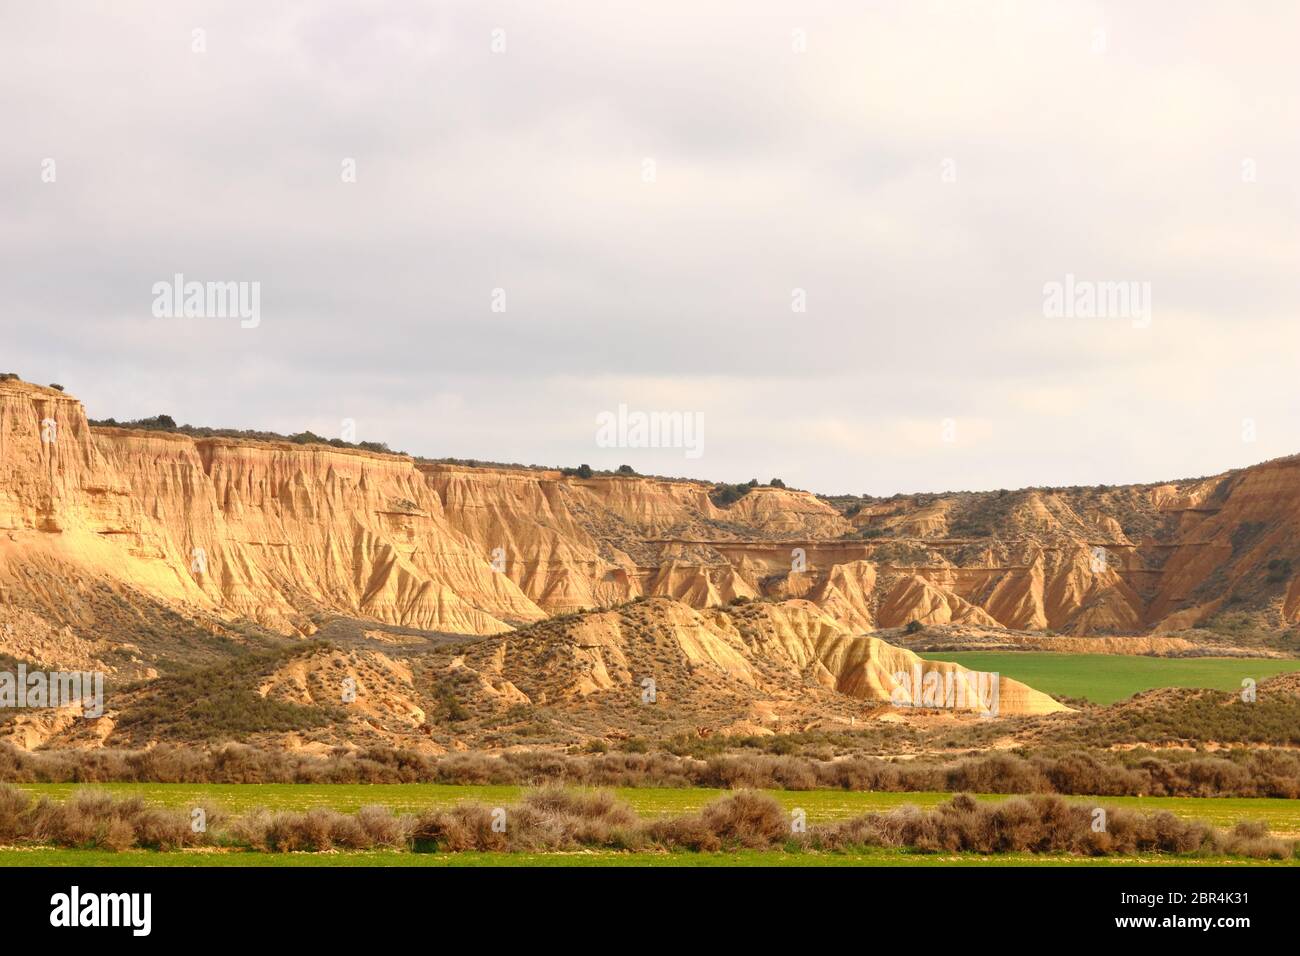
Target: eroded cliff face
[[766, 651], [283, 534], [272, 532], [571, 543]]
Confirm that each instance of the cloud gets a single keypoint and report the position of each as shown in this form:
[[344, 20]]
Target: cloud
[[919, 173]]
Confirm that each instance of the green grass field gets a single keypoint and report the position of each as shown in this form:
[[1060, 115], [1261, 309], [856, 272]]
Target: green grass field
[[1107, 678], [1282, 816]]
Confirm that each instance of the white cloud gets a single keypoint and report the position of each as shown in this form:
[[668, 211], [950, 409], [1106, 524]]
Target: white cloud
[[776, 170]]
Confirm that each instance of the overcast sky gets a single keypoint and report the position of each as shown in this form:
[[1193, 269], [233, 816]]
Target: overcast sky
[[649, 183]]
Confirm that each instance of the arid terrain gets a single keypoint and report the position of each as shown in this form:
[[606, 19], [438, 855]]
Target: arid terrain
[[593, 437], [237, 588], [270, 610]]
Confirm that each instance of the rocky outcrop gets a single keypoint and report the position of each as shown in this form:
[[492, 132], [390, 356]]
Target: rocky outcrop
[[765, 650], [283, 534], [271, 532], [655, 666]]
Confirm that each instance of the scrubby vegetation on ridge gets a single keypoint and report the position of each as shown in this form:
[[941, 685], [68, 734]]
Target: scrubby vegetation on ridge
[[165, 423], [220, 702], [1181, 716]]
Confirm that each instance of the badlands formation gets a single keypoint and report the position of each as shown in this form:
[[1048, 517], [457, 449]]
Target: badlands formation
[[139, 551]]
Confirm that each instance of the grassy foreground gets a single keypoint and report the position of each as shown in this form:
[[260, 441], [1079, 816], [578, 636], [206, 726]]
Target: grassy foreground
[[1282, 816], [644, 827], [1107, 678]]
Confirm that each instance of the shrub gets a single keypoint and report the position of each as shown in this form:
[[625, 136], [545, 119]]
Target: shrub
[[380, 828], [1035, 824], [95, 820], [555, 818], [319, 829], [465, 827], [723, 495], [15, 815], [1237, 773], [747, 819]]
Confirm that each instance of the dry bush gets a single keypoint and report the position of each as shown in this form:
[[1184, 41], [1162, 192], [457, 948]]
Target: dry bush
[[15, 815], [157, 828], [381, 828], [1082, 773], [473, 768], [548, 819], [744, 820], [1243, 773], [1251, 838], [751, 820], [997, 773], [461, 828], [778, 773], [554, 818], [595, 805], [318, 830], [291, 831], [94, 819], [1036, 824], [685, 833], [252, 830]]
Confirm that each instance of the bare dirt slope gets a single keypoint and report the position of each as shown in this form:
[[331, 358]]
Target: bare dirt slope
[[654, 668]]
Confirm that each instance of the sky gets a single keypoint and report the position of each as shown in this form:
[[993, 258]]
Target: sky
[[822, 233]]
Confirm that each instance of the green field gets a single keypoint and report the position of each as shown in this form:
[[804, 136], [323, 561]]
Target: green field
[[1282, 816], [1107, 678]]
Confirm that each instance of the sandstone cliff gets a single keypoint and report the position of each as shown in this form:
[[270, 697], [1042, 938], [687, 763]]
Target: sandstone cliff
[[217, 530], [272, 532]]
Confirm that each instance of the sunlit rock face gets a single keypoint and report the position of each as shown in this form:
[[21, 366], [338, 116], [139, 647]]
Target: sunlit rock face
[[281, 533]]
